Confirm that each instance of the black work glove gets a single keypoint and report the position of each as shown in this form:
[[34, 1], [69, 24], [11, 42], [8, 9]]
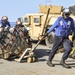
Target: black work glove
[[46, 34], [43, 36]]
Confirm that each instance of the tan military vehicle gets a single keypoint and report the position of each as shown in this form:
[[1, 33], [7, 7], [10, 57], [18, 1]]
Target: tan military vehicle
[[39, 23]]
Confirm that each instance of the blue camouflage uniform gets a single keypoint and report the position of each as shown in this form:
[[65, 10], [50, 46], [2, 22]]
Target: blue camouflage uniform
[[5, 24], [63, 28]]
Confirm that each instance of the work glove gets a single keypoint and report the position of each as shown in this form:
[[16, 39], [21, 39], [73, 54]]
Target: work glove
[[41, 37], [71, 38], [46, 34]]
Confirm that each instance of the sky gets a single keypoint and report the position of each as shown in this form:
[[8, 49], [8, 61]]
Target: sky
[[17, 8]]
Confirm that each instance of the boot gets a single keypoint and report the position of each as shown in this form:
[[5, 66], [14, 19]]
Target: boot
[[64, 64], [49, 63]]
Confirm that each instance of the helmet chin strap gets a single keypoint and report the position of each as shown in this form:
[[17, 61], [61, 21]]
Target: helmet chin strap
[[65, 16]]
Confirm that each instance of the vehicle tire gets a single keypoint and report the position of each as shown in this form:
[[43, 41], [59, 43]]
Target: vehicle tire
[[29, 59], [49, 40]]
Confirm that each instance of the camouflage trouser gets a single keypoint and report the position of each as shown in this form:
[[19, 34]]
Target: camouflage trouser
[[67, 45]]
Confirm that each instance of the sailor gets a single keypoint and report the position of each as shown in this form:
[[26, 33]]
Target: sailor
[[63, 27], [4, 21]]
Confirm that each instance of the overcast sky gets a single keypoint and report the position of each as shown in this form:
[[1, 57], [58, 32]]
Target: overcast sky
[[17, 8]]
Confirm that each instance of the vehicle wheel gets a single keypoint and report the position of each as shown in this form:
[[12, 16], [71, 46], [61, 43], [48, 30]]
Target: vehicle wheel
[[34, 59], [29, 59], [49, 40]]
